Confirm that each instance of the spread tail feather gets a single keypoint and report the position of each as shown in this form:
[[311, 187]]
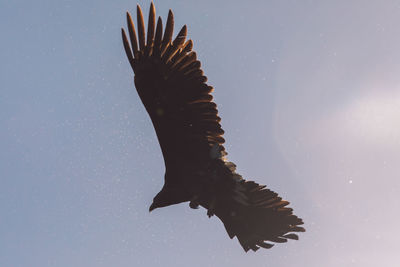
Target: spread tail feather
[[257, 216]]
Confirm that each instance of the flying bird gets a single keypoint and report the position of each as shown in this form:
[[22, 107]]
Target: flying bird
[[173, 89]]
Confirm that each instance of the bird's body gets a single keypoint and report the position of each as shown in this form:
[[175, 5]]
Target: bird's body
[[174, 92]]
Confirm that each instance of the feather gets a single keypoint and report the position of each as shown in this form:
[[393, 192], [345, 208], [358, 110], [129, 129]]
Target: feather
[[157, 38], [189, 58], [192, 67], [297, 229], [194, 73], [254, 247], [176, 44], [181, 53], [150, 30], [141, 30], [181, 37], [265, 245], [278, 240], [200, 99], [151, 25], [169, 29], [257, 188], [132, 34], [127, 48], [291, 236], [277, 205]]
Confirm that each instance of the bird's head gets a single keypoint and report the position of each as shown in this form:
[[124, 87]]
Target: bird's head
[[158, 202], [168, 196]]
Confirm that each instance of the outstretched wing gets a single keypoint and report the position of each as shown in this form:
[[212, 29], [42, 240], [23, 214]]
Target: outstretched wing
[[173, 89]]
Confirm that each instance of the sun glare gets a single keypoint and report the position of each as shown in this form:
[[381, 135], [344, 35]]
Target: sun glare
[[375, 117]]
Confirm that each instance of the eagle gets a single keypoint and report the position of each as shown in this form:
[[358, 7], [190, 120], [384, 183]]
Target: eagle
[[175, 93]]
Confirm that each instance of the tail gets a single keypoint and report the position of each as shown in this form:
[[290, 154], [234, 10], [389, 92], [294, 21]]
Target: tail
[[257, 216]]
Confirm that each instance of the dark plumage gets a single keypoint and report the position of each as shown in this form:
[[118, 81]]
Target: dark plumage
[[173, 89]]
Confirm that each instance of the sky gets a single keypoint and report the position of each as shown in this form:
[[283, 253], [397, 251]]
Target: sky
[[309, 95]]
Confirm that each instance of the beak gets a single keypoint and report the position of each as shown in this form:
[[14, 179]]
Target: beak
[[152, 207]]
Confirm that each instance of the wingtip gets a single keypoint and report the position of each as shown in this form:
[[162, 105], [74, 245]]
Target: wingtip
[[182, 32], [170, 15], [129, 17], [139, 10], [140, 27], [152, 9]]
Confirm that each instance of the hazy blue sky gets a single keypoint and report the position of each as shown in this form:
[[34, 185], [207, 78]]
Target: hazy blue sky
[[309, 95]]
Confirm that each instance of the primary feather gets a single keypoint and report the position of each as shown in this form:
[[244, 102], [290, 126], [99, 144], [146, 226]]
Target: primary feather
[[173, 89]]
